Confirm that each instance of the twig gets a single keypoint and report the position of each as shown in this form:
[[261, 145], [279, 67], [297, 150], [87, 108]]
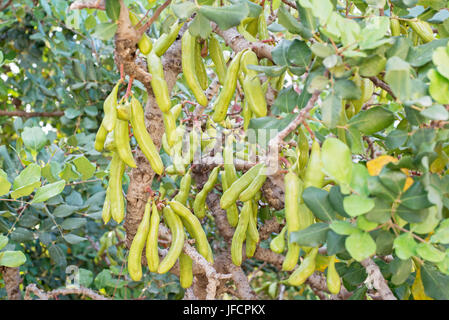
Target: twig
[[379, 83], [156, 14]]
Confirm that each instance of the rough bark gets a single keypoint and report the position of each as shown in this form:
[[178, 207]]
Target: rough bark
[[12, 280]]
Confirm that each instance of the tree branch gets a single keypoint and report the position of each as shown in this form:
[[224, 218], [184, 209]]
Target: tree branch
[[42, 295], [24, 114], [12, 280], [88, 4], [379, 83], [377, 280]]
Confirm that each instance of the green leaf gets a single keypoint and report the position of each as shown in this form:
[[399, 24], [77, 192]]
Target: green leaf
[[381, 212], [50, 190], [5, 185], [396, 138], [359, 181], [73, 223], [73, 238], [25, 183], [398, 77], [226, 17], [420, 55], [405, 246], [34, 138], [200, 27], [400, 270], [86, 277], [22, 235], [347, 89], [394, 180], [292, 24], [436, 112], [317, 201], [271, 71], [286, 100], [322, 9], [435, 283], [360, 245], [372, 66], [356, 205], [331, 110], [415, 197], [312, 236], [440, 58], [372, 120], [183, 10], [365, 224], [64, 210], [337, 161], [113, 9], [299, 54], [279, 53], [336, 200], [441, 235], [3, 241], [105, 31], [429, 223], [85, 167], [439, 87], [12, 259], [343, 227], [428, 252], [384, 242], [335, 243], [57, 255]]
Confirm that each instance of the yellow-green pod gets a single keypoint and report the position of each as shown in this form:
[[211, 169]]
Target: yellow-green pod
[[164, 42], [165, 145], [240, 233], [188, 67], [176, 110], [109, 143], [250, 245], [221, 104], [158, 83], [200, 69], [121, 138], [293, 191], [303, 149], [247, 114], [233, 192], [195, 227], [333, 278], [422, 29], [262, 28], [255, 96], [143, 137], [116, 172], [185, 270], [106, 212], [145, 45], [177, 240], [124, 111], [216, 54], [170, 127], [232, 213], [228, 160], [252, 231], [184, 188], [277, 244], [395, 27], [199, 204], [254, 186], [151, 248], [314, 176], [136, 249], [100, 138], [305, 270], [110, 109]]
